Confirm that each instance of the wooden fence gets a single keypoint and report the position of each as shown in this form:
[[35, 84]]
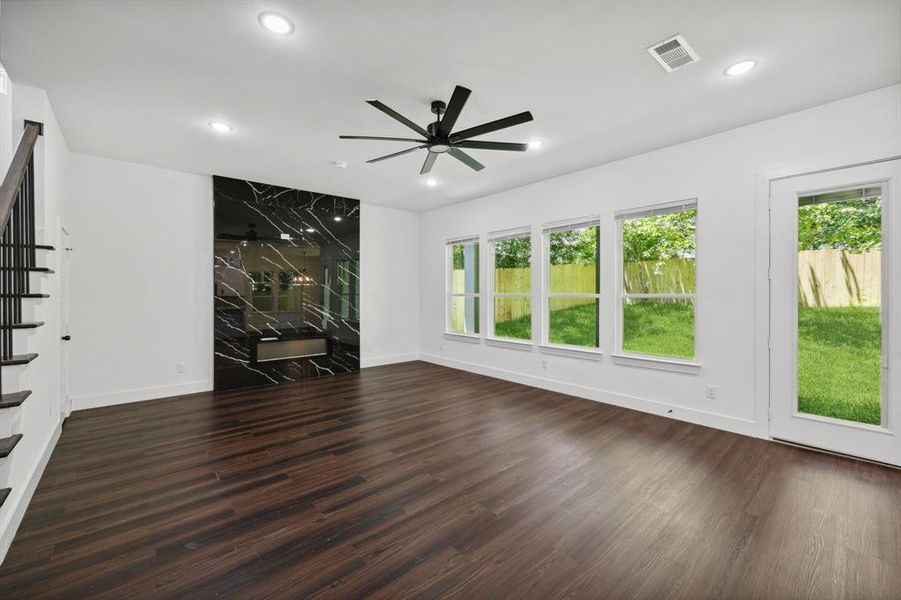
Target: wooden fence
[[825, 278], [839, 278]]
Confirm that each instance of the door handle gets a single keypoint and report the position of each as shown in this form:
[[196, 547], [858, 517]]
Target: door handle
[[66, 338]]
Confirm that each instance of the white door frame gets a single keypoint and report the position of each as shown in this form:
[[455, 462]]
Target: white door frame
[[764, 181]]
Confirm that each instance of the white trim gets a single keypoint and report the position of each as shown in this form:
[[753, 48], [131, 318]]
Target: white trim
[[570, 224], [680, 413], [511, 343], [141, 394], [583, 352], [509, 234], [660, 363], [470, 338], [657, 209], [390, 359], [461, 240], [18, 499]]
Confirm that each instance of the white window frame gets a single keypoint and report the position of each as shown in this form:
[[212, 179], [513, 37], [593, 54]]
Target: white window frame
[[546, 295], [493, 238], [669, 363], [449, 287]]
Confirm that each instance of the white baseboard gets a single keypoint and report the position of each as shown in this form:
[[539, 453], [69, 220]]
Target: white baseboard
[[387, 360], [656, 407], [19, 499], [140, 394]]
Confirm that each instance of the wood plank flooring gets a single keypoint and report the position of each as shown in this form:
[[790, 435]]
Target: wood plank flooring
[[415, 480]]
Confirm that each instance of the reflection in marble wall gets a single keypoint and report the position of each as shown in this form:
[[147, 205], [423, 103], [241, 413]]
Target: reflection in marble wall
[[286, 284]]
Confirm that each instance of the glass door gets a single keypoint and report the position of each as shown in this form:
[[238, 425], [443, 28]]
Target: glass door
[[833, 311]]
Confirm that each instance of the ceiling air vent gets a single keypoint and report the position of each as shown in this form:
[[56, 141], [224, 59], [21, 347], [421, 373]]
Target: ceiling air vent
[[673, 53]]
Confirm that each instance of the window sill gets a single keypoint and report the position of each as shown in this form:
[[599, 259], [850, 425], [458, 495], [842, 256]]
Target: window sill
[[660, 363], [509, 343], [571, 351], [463, 337]]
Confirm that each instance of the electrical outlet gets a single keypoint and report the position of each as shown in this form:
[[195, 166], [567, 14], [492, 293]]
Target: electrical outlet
[[440, 347], [711, 392], [544, 365], [180, 367]]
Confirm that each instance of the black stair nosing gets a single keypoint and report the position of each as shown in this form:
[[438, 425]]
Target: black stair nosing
[[28, 295], [25, 325], [14, 399], [3, 494], [18, 359], [7, 444], [31, 269], [36, 246]]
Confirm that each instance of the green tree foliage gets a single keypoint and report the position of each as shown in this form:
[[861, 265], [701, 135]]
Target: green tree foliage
[[852, 225], [660, 237], [574, 246], [513, 254]]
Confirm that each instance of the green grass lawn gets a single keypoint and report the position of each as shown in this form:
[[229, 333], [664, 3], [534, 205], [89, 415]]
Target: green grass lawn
[[839, 363], [839, 349]]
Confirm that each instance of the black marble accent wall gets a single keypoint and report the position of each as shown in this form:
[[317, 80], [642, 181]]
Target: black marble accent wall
[[286, 284]]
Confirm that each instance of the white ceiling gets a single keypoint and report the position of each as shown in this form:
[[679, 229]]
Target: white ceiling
[[140, 80]]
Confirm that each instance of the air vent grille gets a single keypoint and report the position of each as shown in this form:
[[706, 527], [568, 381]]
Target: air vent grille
[[673, 53]]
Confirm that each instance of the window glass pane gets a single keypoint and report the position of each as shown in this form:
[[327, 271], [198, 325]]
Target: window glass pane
[[512, 266], [574, 261], [573, 321], [664, 327], [465, 265], [659, 253], [839, 303], [513, 317], [464, 317]]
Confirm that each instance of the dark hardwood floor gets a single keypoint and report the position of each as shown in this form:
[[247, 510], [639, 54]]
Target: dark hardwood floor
[[415, 480]]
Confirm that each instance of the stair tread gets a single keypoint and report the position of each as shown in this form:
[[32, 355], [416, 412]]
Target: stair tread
[[28, 295], [32, 269], [24, 325], [14, 399], [7, 444], [3, 494], [18, 359]]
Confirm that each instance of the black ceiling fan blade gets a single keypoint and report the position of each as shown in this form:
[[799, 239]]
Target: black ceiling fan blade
[[523, 117], [466, 159], [398, 117], [454, 107], [387, 156], [372, 137], [429, 161], [476, 145]]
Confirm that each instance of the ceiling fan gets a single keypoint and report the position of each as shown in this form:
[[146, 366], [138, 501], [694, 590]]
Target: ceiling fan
[[440, 137]]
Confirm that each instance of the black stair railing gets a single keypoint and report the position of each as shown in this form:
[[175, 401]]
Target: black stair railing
[[17, 261]]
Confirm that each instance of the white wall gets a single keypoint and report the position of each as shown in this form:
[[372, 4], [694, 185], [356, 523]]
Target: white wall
[[141, 290], [389, 271], [40, 417], [721, 171]]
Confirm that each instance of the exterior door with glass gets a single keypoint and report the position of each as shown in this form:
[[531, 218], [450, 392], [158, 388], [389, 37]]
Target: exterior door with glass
[[834, 310]]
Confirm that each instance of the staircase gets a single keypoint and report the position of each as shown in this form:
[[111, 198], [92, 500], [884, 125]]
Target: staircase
[[19, 254]]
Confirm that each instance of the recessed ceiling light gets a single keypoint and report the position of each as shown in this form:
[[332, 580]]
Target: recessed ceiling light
[[535, 144], [340, 164], [337, 219], [220, 126], [431, 182], [285, 236], [740, 68], [310, 230], [276, 23]]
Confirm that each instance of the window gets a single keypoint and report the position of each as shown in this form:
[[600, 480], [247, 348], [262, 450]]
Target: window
[[572, 284], [463, 286], [657, 308], [511, 266]]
